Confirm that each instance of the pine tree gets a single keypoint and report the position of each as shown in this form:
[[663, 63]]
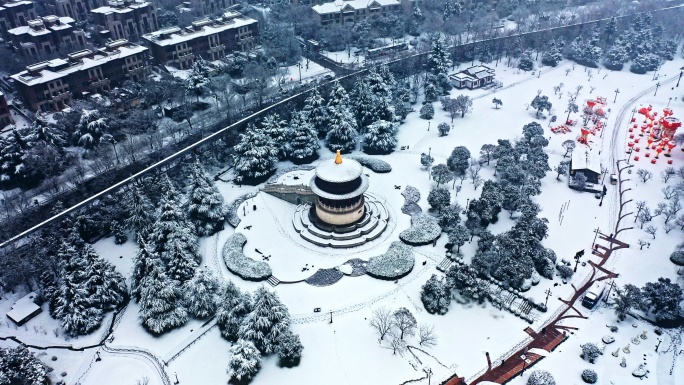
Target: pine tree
[[553, 54], [42, 130], [105, 286], [304, 141], [76, 311], [233, 307], [526, 63], [289, 349], [198, 79], [436, 296], [276, 129], [141, 214], [181, 264], [338, 97], [206, 210], [616, 57], [342, 134], [161, 302], [201, 294], [268, 320], [174, 240], [438, 61], [255, 155], [145, 260], [13, 149], [591, 51], [316, 113], [244, 362], [380, 137], [362, 102], [90, 128]]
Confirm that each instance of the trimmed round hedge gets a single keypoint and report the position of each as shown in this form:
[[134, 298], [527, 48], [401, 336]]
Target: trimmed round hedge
[[677, 257], [241, 265]]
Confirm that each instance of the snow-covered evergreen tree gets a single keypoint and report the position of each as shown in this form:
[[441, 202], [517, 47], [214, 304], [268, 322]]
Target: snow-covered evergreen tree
[[303, 144], [161, 302], [267, 321], [42, 130], [206, 210], [255, 155], [362, 102], [338, 97], [553, 54], [18, 366], [617, 56], [644, 62], [380, 137], [201, 294], [438, 61], [198, 79], [141, 214], [526, 63], [342, 130], [592, 51], [277, 130], [436, 296], [76, 311], [233, 307], [105, 286], [244, 362], [90, 128], [289, 349], [13, 148], [180, 263], [143, 263], [316, 112], [173, 237]]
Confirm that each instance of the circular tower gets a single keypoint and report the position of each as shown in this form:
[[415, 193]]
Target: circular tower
[[339, 186]]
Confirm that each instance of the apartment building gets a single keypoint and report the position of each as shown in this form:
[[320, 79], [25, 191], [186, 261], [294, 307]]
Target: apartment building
[[352, 11], [42, 37], [15, 14], [125, 19], [75, 9], [5, 114], [207, 7], [211, 39], [50, 85]]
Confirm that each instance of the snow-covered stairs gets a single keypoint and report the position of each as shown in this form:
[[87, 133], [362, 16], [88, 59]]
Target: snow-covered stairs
[[273, 281], [445, 264]]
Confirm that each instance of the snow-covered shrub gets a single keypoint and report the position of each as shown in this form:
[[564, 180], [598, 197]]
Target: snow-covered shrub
[[436, 296], [565, 272], [527, 285], [244, 362], [589, 376], [289, 349], [233, 218], [424, 229], [376, 165], [20, 366], [644, 62], [590, 352], [325, 277], [677, 257], [411, 197], [241, 265], [393, 264], [535, 279], [427, 111], [201, 294]]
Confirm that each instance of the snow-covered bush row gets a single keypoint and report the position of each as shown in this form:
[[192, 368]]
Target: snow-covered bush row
[[424, 229], [411, 197], [233, 218], [239, 264], [358, 267], [396, 263], [325, 277], [377, 165]]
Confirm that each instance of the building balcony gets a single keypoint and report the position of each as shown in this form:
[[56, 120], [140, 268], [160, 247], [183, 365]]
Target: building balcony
[[216, 48], [62, 96], [339, 209]]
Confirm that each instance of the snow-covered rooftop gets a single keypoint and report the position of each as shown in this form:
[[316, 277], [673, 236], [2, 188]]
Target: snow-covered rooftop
[[120, 7], [174, 35], [346, 171], [23, 309], [57, 68], [586, 159], [337, 6], [38, 27]]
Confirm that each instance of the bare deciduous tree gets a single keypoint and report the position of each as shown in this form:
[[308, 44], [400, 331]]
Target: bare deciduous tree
[[644, 175], [382, 321], [405, 322], [427, 335], [666, 174], [652, 231], [396, 343]]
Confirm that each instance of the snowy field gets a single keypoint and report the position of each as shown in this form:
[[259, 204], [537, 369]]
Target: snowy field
[[347, 351]]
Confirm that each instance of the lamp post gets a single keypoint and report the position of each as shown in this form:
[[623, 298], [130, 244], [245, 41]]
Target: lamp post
[[299, 65], [617, 91], [176, 374], [680, 77], [548, 293], [657, 86], [429, 125], [657, 346], [596, 231]]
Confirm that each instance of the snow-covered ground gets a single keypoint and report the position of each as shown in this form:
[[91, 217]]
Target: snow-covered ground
[[346, 351]]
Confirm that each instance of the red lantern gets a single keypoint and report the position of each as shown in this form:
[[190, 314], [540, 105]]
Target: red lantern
[[648, 155], [653, 161], [636, 157], [636, 140], [637, 149], [631, 136], [633, 120], [669, 161]]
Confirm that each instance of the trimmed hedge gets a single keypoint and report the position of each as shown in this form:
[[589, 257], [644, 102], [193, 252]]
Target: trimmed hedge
[[376, 165], [241, 265], [396, 263], [677, 257], [424, 230]]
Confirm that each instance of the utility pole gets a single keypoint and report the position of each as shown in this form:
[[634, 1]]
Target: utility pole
[[548, 293], [577, 258], [603, 193], [330, 317], [611, 286], [596, 231], [657, 346], [656, 91], [299, 65], [617, 91], [680, 77]]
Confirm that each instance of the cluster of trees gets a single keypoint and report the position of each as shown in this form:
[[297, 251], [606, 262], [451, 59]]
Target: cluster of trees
[[394, 327], [257, 324], [20, 366], [461, 282], [669, 210], [661, 299], [378, 104]]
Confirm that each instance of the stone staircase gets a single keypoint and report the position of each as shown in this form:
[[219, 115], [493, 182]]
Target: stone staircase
[[273, 281]]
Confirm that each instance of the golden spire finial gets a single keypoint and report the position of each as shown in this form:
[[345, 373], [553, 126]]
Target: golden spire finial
[[338, 158]]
